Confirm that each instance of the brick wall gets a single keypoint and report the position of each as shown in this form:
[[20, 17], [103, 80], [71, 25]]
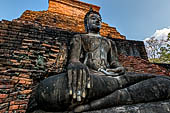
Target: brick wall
[[30, 52], [68, 15], [139, 65], [167, 66], [73, 8], [73, 24]]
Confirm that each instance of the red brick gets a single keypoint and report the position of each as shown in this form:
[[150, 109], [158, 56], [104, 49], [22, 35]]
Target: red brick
[[21, 81], [141, 66], [4, 106], [14, 77], [17, 63], [3, 110], [24, 106], [12, 102], [25, 92], [15, 81], [25, 61], [55, 50], [13, 107], [28, 83], [24, 75], [25, 79], [53, 55], [2, 41], [6, 86], [46, 45], [14, 61], [3, 96], [13, 94], [20, 111], [26, 40]]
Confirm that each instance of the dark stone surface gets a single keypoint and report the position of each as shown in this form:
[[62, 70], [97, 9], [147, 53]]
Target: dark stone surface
[[153, 107], [131, 48]]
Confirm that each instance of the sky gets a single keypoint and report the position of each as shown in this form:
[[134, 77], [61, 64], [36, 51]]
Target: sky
[[136, 19]]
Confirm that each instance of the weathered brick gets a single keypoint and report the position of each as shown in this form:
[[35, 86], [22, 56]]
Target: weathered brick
[[2, 96], [22, 82], [55, 50], [13, 107], [28, 83], [25, 61], [5, 91], [139, 65], [13, 94], [25, 79], [19, 102], [24, 106], [20, 111], [5, 80], [25, 92], [6, 86], [4, 110], [24, 75], [12, 102], [3, 106], [46, 45], [14, 61]]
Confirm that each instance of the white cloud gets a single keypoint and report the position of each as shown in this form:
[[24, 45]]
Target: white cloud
[[160, 34]]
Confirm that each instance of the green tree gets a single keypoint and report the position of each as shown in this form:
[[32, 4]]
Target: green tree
[[165, 52], [158, 50]]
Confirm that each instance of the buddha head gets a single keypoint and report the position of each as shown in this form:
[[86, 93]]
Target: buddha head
[[92, 21]]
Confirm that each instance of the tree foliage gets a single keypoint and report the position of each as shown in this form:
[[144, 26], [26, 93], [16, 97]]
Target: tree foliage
[[158, 50], [165, 52]]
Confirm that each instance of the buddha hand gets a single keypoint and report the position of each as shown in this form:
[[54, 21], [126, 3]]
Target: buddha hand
[[116, 71], [78, 80]]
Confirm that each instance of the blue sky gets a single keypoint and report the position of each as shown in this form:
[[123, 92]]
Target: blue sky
[[136, 19]]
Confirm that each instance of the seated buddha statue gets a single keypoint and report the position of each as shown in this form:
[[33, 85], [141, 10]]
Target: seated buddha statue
[[95, 79]]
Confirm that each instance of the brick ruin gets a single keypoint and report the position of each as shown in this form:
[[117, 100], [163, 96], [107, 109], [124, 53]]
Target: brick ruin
[[36, 46], [68, 15]]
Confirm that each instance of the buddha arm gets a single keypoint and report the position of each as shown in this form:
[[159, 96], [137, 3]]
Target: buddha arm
[[75, 49], [113, 59], [78, 74]]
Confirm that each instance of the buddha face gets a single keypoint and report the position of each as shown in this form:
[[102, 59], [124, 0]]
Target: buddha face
[[94, 23]]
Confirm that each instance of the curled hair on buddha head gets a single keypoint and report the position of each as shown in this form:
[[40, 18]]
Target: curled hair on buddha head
[[91, 11]]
